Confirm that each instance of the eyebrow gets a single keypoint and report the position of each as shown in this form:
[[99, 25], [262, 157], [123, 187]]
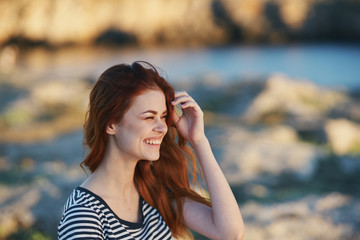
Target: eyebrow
[[153, 112]]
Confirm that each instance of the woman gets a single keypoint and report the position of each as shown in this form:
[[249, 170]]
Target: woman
[[139, 161]]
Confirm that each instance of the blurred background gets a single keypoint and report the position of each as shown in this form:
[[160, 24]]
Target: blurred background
[[279, 82]]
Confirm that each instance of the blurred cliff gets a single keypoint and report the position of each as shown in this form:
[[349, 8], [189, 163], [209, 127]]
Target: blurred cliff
[[141, 22]]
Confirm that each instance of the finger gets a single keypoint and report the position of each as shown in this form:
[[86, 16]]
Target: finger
[[191, 104], [182, 100], [181, 94]]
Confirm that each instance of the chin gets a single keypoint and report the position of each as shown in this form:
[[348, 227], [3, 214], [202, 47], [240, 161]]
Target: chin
[[153, 158]]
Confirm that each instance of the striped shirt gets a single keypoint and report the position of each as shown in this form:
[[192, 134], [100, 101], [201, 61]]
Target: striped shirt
[[87, 216]]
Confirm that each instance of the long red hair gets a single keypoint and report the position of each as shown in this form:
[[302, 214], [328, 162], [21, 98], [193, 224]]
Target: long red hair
[[164, 182]]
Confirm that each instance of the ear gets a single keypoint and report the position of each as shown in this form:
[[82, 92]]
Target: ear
[[111, 129]]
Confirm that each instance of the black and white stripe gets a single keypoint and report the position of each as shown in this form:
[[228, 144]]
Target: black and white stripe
[[87, 216]]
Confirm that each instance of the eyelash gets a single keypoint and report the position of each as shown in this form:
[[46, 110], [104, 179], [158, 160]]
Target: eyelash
[[165, 116]]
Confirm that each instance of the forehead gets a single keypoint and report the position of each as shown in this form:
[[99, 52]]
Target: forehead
[[153, 99]]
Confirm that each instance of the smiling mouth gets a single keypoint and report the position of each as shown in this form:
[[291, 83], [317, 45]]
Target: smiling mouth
[[153, 141]]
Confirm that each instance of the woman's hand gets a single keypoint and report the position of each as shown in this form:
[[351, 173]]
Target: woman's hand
[[191, 124]]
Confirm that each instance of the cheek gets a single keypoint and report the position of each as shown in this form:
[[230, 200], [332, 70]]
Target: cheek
[[134, 132], [125, 135]]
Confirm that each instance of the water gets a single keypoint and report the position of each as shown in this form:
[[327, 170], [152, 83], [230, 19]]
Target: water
[[326, 65], [329, 65]]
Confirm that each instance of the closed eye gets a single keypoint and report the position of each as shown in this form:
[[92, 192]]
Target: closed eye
[[154, 114], [164, 117]]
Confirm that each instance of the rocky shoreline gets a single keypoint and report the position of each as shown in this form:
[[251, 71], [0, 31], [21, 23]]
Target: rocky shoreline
[[184, 23], [290, 150]]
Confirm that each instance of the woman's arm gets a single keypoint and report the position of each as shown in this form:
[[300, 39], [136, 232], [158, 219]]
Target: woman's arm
[[80, 222], [223, 220]]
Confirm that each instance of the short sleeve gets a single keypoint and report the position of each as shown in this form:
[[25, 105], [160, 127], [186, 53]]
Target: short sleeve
[[79, 222]]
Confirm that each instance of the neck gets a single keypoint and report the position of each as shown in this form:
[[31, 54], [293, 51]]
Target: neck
[[114, 177]]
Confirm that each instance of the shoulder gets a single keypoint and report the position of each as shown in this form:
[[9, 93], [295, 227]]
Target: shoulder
[[148, 210], [80, 218], [81, 201], [154, 225]]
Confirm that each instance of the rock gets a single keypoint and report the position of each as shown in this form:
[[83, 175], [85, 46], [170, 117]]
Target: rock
[[62, 22], [36, 201], [8, 58], [331, 201], [249, 155], [16, 212], [57, 92], [50, 107], [343, 136], [349, 110], [289, 98], [312, 217], [184, 22], [37, 205], [294, 12]]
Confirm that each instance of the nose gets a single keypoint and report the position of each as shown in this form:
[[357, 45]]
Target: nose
[[160, 126]]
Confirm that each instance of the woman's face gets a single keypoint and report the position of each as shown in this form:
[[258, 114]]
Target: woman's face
[[140, 132]]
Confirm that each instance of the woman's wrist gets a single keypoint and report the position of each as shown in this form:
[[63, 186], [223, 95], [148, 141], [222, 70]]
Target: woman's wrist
[[200, 143]]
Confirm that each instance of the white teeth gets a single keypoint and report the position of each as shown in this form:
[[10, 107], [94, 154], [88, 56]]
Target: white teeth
[[153, 141]]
